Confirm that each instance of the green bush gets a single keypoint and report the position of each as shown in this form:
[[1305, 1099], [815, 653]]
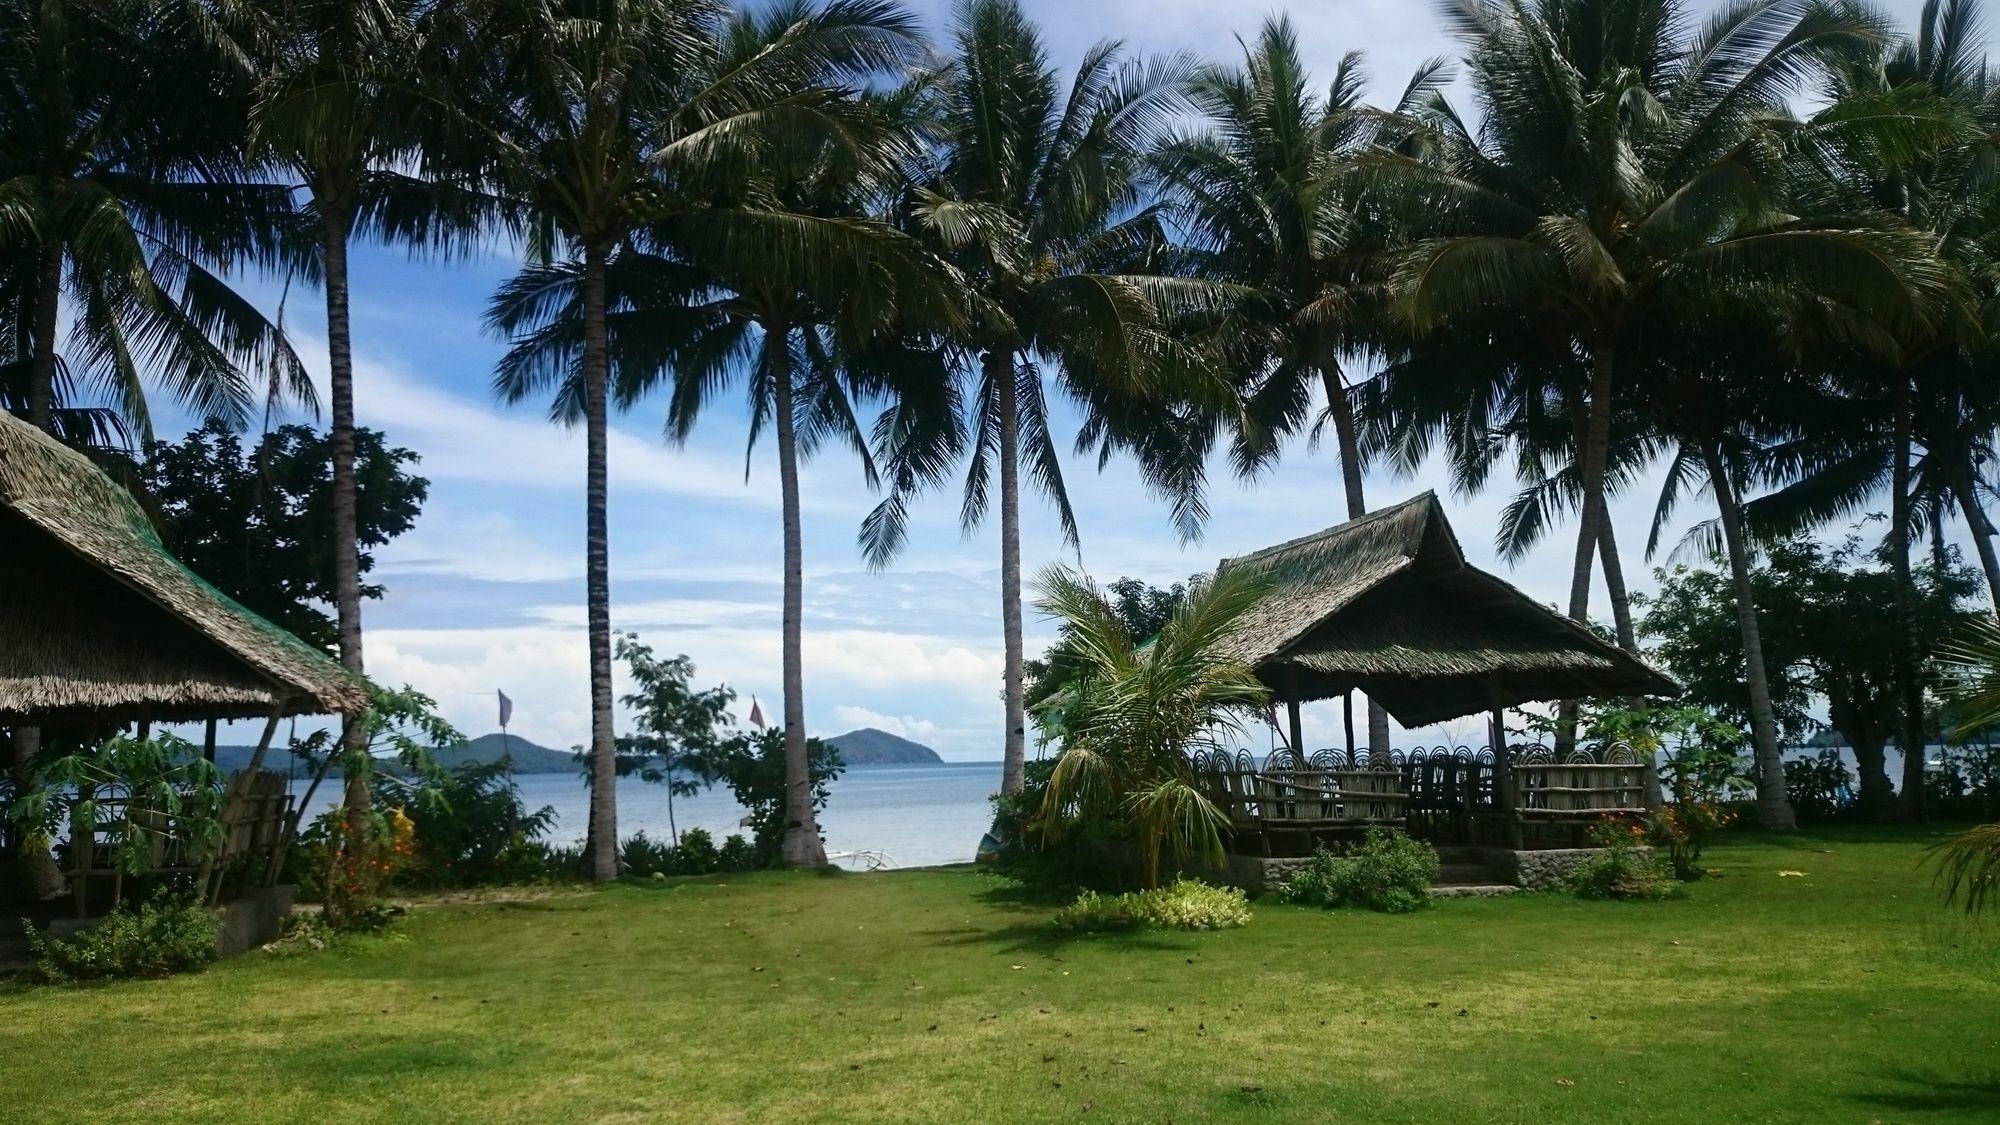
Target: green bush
[[696, 854], [1185, 904], [1621, 870], [162, 938], [472, 827], [1388, 871]]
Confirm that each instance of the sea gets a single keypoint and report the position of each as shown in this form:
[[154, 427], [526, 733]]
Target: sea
[[875, 816], [892, 816]]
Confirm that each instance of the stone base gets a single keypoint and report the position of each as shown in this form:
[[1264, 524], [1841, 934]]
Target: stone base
[[1539, 869], [256, 919]]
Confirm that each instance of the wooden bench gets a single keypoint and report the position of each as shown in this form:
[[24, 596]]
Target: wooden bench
[[1583, 789]]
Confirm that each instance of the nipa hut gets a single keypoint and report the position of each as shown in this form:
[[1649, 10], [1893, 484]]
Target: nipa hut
[[99, 623], [100, 626], [1388, 605]]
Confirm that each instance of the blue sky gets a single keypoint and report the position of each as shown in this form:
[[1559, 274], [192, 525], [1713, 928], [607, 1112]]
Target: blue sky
[[486, 592]]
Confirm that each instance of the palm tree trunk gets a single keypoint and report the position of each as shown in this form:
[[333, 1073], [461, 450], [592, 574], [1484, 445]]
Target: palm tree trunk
[[346, 550], [41, 878], [1593, 449], [1982, 535], [1909, 682], [801, 846], [1000, 369], [1357, 506], [597, 567], [42, 369], [1614, 584], [1774, 808]]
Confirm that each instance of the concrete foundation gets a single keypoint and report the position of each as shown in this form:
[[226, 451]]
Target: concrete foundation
[[256, 919]]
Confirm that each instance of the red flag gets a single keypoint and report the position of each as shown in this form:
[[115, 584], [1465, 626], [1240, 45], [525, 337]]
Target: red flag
[[756, 714]]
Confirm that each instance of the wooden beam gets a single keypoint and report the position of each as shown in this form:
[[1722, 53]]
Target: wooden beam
[[1292, 711]]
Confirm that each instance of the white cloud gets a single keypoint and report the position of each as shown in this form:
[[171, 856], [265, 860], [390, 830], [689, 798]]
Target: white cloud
[[902, 726]]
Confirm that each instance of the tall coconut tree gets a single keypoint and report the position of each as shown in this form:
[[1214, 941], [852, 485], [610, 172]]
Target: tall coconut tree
[[1257, 192], [625, 115], [1623, 177], [1035, 198], [810, 346], [128, 218], [354, 101], [124, 204]]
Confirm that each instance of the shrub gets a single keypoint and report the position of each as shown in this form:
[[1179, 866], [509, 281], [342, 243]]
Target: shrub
[[471, 827], [1185, 904], [696, 854], [1388, 871], [1620, 869], [164, 937], [1820, 788]]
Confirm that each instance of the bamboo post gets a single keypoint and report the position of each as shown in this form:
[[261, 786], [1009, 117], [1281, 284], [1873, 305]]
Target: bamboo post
[[1292, 712], [236, 784]]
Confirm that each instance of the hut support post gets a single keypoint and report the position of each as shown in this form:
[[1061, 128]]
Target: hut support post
[[1347, 720], [1292, 713], [237, 783]]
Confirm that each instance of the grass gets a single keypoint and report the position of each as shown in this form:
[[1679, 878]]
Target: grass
[[1847, 994]]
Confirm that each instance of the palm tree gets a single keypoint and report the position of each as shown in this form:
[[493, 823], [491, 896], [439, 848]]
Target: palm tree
[[1258, 195], [1625, 180], [1035, 198], [1969, 863], [1134, 715], [1931, 377], [121, 193], [338, 106], [122, 190], [627, 116], [812, 344]]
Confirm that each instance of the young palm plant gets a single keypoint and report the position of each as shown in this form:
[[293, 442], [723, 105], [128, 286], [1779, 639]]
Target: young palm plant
[[1969, 863], [1035, 199], [625, 120], [1135, 714]]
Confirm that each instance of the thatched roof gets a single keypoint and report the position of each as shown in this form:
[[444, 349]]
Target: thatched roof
[[1387, 604], [99, 623]]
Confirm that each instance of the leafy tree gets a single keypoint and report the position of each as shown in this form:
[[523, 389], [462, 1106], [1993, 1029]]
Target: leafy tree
[[1137, 713], [688, 741], [257, 524], [1827, 638]]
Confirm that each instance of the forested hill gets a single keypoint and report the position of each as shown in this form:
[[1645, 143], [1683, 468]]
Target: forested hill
[[528, 757], [871, 747]]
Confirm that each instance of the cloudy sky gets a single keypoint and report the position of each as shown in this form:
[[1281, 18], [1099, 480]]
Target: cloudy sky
[[487, 592]]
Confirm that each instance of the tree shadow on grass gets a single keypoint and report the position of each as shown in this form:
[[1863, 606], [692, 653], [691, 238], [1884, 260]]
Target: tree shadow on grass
[[1918, 1093]]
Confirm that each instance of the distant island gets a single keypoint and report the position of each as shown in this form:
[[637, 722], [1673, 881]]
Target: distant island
[[864, 747], [871, 747], [528, 757]]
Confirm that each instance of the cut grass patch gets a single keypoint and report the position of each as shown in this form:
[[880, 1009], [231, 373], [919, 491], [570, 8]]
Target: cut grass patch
[[926, 996]]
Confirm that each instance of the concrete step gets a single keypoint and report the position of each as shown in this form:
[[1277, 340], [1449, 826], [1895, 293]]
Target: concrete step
[[1473, 890], [1463, 873], [1459, 853]]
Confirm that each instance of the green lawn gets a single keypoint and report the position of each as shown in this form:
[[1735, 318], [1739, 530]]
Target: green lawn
[[938, 996]]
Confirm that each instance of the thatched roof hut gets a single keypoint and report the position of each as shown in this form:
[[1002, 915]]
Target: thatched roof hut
[[99, 623], [1387, 604]]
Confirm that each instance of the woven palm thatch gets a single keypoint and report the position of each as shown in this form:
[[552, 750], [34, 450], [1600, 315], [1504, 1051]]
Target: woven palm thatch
[[99, 623], [1387, 604]]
